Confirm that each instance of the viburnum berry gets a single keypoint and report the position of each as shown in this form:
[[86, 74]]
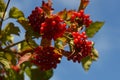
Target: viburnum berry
[[81, 18], [53, 27], [82, 47], [36, 18], [46, 58], [15, 68]]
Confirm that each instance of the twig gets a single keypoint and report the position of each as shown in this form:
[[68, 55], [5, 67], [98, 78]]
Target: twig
[[14, 44]]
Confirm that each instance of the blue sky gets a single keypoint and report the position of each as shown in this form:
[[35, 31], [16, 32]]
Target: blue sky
[[107, 39]]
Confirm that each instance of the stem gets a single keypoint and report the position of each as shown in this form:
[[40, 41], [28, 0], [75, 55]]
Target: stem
[[80, 5], [2, 19], [14, 44]]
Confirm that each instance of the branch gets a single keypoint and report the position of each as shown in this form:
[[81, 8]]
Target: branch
[[2, 19], [14, 44]]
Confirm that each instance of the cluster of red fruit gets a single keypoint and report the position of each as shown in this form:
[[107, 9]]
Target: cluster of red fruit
[[81, 18], [46, 58], [82, 47], [53, 27], [50, 27], [36, 18]]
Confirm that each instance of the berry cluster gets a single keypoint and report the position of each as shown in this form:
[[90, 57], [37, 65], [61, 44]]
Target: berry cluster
[[36, 18], [81, 18], [82, 46], [46, 58], [53, 27]]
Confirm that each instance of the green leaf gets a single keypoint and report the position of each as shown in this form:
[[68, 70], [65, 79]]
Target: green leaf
[[94, 28], [11, 29], [2, 5], [15, 13], [5, 63], [95, 55], [24, 22], [13, 75], [23, 46], [6, 33], [86, 63], [60, 43], [41, 75], [26, 45], [28, 72]]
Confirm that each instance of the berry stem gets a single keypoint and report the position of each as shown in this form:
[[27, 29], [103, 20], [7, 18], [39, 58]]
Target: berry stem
[[45, 42]]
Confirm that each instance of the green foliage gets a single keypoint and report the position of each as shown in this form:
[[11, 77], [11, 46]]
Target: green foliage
[[13, 75], [15, 13], [2, 8], [94, 28], [5, 63], [37, 74], [87, 61], [15, 58], [11, 29], [2, 5], [6, 34]]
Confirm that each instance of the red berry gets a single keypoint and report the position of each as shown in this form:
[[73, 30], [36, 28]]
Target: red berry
[[82, 46], [46, 58]]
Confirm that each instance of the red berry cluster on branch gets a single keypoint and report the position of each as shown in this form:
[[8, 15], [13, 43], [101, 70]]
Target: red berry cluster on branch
[[46, 58], [81, 18], [53, 27], [36, 18], [82, 47]]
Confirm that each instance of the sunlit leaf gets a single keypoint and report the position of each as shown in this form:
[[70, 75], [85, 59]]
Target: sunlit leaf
[[23, 46], [60, 43], [15, 13], [95, 55], [11, 29], [94, 28], [63, 14], [86, 63], [83, 4], [2, 5], [24, 22], [8, 56], [5, 63], [6, 34]]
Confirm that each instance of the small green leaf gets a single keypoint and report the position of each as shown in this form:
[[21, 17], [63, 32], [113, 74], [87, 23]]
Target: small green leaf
[[41, 75], [63, 14], [5, 63], [95, 55], [94, 28], [11, 29], [28, 72], [2, 5], [86, 63], [24, 22], [15, 13], [60, 43], [23, 46]]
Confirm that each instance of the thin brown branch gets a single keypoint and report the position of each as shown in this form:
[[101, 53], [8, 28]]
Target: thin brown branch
[[14, 44]]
